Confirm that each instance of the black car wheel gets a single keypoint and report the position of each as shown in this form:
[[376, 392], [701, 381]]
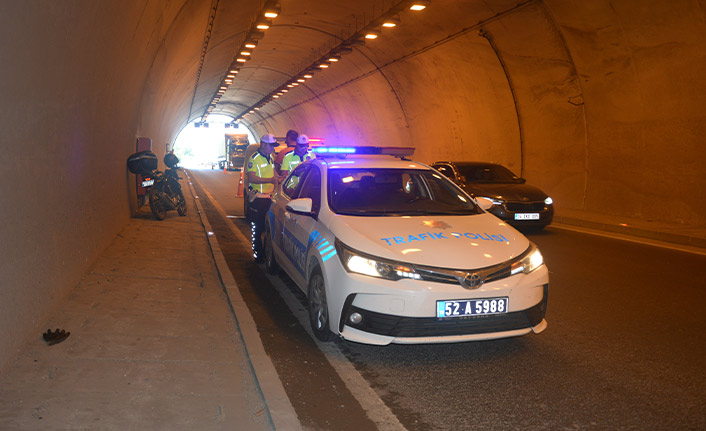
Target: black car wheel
[[318, 307]]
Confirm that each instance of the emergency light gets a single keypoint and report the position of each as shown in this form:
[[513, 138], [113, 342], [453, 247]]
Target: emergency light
[[343, 151]]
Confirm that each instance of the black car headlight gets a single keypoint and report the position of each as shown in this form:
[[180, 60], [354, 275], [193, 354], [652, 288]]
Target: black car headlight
[[361, 263], [495, 201], [530, 261]]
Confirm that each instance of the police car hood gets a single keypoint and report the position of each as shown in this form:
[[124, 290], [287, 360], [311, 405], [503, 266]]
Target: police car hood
[[457, 242]]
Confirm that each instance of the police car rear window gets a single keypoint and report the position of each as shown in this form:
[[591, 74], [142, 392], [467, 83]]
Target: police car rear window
[[392, 192]]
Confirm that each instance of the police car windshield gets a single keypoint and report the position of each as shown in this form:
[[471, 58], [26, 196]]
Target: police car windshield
[[393, 192]]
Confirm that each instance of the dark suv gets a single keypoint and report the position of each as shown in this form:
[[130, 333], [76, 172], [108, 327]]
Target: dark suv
[[513, 201]]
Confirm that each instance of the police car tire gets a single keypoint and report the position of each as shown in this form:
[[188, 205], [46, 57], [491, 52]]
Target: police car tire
[[271, 265], [318, 307]]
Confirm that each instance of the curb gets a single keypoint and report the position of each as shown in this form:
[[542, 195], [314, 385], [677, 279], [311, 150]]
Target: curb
[[279, 408]]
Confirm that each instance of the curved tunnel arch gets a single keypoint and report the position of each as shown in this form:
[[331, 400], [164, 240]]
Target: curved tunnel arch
[[610, 95]]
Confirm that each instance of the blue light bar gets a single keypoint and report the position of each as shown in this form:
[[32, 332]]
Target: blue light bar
[[334, 150], [342, 151]]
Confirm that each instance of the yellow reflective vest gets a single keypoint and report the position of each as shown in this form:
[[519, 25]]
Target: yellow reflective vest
[[263, 167], [291, 160]]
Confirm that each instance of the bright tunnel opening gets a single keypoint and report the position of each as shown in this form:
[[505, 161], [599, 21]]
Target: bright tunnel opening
[[204, 146]]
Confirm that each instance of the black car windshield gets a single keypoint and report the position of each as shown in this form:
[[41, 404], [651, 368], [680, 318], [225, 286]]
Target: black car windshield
[[395, 192], [487, 173]]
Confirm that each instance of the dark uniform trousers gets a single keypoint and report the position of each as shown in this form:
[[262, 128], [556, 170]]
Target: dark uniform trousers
[[257, 213]]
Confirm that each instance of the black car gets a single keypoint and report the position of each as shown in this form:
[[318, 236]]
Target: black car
[[513, 201]]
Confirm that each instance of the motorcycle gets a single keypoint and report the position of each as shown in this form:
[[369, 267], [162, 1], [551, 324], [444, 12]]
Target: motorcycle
[[165, 191]]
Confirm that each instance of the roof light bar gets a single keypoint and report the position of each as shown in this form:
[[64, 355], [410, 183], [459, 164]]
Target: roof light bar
[[388, 151]]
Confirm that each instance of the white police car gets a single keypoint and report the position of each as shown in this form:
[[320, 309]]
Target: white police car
[[388, 250]]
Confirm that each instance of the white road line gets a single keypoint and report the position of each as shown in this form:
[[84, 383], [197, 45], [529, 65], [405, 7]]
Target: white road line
[[635, 239], [374, 407]]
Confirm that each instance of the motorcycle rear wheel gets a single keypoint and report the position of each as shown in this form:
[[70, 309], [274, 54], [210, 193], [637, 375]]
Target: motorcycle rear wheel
[[158, 207], [181, 204]]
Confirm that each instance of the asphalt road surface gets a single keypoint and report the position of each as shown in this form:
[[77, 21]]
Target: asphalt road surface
[[624, 350]]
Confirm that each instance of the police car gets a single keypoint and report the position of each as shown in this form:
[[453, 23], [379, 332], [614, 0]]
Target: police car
[[388, 250]]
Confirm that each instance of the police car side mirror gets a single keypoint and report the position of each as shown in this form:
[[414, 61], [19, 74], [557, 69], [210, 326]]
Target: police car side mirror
[[484, 203], [300, 206]]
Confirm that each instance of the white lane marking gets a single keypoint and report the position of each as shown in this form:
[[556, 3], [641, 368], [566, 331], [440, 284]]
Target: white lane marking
[[629, 238], [374, 407]]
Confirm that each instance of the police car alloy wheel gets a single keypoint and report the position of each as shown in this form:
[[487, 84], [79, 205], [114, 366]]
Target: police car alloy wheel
[[318, 309]]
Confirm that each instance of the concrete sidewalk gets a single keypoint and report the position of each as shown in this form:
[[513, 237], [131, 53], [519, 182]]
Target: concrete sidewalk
[[154, 344]]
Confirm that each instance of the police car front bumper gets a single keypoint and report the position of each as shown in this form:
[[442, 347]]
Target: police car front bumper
[[377, 311]]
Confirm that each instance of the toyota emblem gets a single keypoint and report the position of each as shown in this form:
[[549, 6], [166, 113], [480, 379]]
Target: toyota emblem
[[472, 281]]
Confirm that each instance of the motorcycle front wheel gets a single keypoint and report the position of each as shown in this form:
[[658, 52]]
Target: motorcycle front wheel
[[158, 207], [181, 204]]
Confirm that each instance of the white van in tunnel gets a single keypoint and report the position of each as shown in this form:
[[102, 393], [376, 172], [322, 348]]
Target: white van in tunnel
[[388, 250]]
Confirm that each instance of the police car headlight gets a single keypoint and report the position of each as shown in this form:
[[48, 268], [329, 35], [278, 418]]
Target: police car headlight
[[531, 260], [360, 263]]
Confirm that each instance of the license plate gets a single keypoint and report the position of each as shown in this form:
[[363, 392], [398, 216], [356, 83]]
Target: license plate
[[147, 183], [527, 216], [471, 307]]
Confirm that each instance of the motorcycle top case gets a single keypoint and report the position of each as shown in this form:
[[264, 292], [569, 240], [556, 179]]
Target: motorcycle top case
[[171, 160], [142, 162]]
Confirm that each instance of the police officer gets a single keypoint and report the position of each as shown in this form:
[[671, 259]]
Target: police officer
[[262, 180], [291, 141], [300, 154]]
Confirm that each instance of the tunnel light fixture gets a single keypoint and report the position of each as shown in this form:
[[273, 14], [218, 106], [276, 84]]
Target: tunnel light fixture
[[263, 24], [334, 58], [323, 65], [273, 10], [251, 44], [294, 84], [284, 90], [228, 80], [241, 59], [301, 80], [276, 96], [234, 71], [418, 5], [391, 22], [230, 76], [290, 86], [307, 76], [372, 34], [245, 52]]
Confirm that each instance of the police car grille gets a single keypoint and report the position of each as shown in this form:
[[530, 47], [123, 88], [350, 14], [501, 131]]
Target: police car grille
[[524, 206], [450, 276], [407, 327]]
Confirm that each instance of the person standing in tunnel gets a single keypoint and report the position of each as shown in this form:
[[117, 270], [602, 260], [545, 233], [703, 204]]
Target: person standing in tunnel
[[262, 180], [300, 154], [291, 141]]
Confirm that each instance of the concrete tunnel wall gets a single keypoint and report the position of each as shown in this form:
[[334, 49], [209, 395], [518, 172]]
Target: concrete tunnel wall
[[607, 115]]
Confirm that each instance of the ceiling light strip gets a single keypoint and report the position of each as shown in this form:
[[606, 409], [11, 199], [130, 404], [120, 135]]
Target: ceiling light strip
[[371, 31]]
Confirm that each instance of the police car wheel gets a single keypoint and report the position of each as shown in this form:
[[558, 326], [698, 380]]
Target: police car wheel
[[318, 308], [271, 265]]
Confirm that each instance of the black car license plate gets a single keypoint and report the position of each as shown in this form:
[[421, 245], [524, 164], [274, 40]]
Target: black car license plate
[[471, 307]]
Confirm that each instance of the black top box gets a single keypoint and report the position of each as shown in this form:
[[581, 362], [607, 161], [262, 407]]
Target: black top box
[[143, 162]]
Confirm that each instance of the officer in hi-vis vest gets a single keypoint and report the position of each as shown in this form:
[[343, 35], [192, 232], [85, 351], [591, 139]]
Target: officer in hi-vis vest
[[262, 180], [300, 154]]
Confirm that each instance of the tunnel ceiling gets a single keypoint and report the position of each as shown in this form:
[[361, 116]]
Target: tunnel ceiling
[[307, 33]]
